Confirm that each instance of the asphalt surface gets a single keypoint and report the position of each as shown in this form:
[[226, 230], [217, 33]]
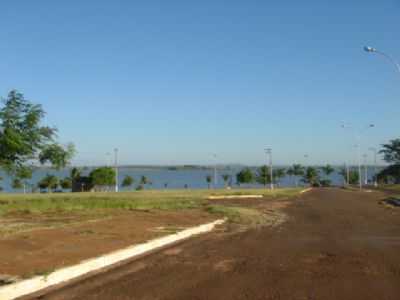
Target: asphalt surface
[[335, 244]]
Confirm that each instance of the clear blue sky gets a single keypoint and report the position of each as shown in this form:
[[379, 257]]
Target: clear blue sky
[[170, 82]]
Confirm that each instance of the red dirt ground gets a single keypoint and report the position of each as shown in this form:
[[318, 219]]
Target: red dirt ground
[[335, 245], [43, 250]]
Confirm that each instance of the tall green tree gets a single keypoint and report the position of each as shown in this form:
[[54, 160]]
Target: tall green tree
[[24, 139], [391, 152], [296, 171], [245, 176]]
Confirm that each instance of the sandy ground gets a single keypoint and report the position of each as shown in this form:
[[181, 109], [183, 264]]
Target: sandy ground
[[335, 244]]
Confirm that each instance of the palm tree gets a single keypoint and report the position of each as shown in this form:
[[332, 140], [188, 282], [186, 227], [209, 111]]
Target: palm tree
[[278, 174], [209, 179], [75, 173], [143, 181], [296, 170], [226, 178], [311, 176], [328, 170]]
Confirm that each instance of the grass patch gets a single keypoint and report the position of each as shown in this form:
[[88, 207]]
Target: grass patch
[[139, 200], [236, 214]]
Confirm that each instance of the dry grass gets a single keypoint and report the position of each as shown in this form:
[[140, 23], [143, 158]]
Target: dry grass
[[138, 200]]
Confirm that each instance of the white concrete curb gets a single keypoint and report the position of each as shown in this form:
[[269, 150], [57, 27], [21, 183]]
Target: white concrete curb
[[233, 197], [37, 283]]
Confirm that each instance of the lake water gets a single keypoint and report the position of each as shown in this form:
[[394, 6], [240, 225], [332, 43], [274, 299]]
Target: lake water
[[174, 179]]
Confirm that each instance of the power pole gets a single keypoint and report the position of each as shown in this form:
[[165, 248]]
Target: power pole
[[358, 145], [347, 170], [108, 159], [215, 171], [365, 169], [116, 168], [268, 151], [359, 166], [375, 167]]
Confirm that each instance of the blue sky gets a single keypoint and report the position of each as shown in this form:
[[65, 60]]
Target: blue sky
[[171, 82]]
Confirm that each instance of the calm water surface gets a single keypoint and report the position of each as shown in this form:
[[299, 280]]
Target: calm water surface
[[171, 179]]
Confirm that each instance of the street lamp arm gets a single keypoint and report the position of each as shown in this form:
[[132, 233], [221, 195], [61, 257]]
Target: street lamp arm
[[389, 58]]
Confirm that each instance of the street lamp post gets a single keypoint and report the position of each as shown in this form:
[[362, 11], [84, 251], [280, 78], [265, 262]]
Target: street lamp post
[[116, 168], [268, 151], [215, 170], [375, 169], [358, 146], [108, 159], [365, 169], [305, 160], [388, 57], [347, 170]]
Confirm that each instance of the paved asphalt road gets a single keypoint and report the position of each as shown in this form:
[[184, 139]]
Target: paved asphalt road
[[336, 244]]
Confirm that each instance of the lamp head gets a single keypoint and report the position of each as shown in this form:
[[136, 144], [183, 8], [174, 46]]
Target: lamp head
[[369, 49]]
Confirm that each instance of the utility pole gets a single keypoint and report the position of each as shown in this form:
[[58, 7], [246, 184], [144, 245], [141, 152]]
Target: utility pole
[[359, 166], [108, 159], [116, 168], [365, 169], [375, 166], [305, 160], [266, 171], [358, 146], [268, 151], [347, 170], [215, 171]]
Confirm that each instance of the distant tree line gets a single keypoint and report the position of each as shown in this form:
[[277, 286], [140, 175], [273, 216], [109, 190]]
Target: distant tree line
[[100, 179], [314, 176]]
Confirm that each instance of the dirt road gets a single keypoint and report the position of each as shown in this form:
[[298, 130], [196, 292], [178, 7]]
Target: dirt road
[[335, 245]]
